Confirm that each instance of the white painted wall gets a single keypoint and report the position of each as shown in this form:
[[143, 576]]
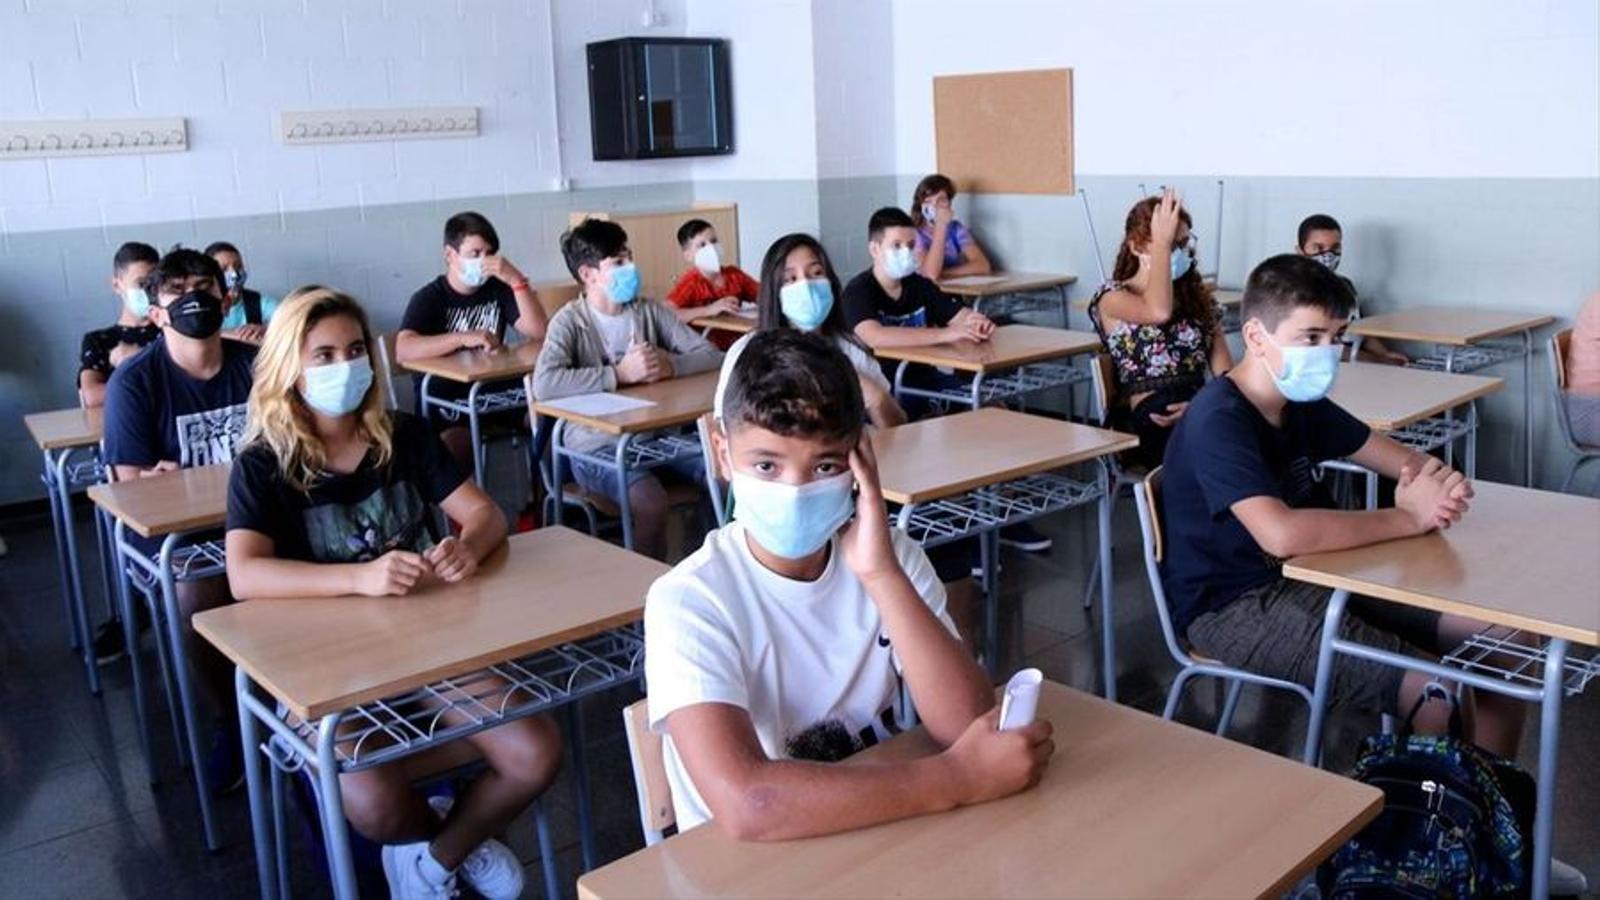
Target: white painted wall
[[1366, 88], [853, 55]]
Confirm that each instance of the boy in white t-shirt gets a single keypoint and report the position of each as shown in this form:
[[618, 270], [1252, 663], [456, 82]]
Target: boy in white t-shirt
[[780, 645]]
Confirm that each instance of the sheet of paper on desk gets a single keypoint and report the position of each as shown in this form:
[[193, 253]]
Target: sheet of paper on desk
[[747, 312], [601, 404], [974, 280]]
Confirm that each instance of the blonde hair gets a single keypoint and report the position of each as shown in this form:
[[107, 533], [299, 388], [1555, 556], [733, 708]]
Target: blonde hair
[[279, 417]]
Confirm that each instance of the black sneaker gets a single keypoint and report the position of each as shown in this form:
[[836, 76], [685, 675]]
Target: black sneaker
[[108, 644], [225, 761], [1025, 537]]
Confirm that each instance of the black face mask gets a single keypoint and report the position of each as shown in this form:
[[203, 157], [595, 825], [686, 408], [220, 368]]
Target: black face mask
[[197, 314]]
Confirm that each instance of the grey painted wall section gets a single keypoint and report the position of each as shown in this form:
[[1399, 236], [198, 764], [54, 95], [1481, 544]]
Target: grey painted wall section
[[53, 285], [1521, 244]]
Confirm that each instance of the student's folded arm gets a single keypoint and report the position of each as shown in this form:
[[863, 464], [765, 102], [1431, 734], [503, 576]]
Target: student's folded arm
[[410, 345], [91, 388], [1154, 308], [483, 525], [947, 686], [556, 373], [879, 336], [1387, 456], [755, 798], [882, 408], [531, 320], [254, 572], [973, 262], [691, 352], [1285, 532]]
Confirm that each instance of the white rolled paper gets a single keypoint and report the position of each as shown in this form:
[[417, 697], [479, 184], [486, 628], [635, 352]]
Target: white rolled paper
[[1021, 699]]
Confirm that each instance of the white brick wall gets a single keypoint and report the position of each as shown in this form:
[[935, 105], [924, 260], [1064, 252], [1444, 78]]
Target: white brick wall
[[230, 66]]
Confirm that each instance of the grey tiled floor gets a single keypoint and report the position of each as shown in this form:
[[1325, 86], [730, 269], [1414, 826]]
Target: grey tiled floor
[[78, 817]]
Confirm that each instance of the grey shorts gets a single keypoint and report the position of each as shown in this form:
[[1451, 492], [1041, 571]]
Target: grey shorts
[[603, 479], [1276, 630]]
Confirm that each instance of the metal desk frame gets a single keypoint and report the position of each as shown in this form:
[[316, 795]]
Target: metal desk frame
[[478, 402], [630, 452]]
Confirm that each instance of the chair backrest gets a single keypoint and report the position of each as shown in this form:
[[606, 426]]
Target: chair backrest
[[1105, 386], [1560, 346], [645, 749], [1147, 495], [386, 367], [716, 479], [555, 294]]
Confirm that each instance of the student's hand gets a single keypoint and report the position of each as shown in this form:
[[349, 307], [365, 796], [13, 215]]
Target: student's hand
[[479, 340], [1394, 358], [122, 352], [1174, 413], [249, 333], [1165, 219], [638, 365], [987, 764], [393, 574], [501, 268], [663, 367], [451, 560], [865, 542], [1435, 496], [943, 214], [160, 468], [722, 306]]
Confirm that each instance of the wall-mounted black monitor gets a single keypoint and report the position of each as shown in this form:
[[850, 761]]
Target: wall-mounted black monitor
[[657, 97]]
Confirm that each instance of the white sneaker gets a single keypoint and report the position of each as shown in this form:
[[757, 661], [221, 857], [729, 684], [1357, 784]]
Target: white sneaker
[[491, 868], [1565, 880], [405, 865]]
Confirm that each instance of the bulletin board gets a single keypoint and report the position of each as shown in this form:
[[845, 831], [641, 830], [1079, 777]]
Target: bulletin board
[[1005, 132]]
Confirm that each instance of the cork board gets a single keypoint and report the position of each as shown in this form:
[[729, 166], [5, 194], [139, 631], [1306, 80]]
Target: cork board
[[1005, 132]]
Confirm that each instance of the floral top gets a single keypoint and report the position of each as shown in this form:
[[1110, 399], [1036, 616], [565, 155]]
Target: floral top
[[1147, 357]]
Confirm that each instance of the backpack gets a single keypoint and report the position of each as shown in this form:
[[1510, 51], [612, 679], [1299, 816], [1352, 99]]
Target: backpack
[[1456, 820]]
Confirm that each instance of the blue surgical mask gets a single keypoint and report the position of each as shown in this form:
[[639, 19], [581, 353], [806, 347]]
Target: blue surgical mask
[[898, 262], [806, 303], [624, 284], [1308, 372], [1181, 261], [337, 389], [137, 301], [792, 520], [472, 271]]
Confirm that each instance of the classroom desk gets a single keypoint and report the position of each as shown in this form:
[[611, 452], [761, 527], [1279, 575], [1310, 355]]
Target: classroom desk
[[477, 368], [69, 441], [1015, 361], [738, 323], [550, 618], [973, 473], [172, 507], [1460, 338], [1012, 292], [1131, 806], [1521, 559], [677, 402], [1405, 404]]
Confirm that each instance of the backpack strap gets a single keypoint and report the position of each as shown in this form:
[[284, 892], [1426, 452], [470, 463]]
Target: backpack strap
[[1433, 690]]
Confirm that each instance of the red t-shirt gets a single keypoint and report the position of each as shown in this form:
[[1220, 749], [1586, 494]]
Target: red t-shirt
[[695, 289]]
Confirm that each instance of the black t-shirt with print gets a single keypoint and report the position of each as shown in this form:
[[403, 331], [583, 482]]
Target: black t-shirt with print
[[436, 308], [921, 303], [95, 355], [351, 517]]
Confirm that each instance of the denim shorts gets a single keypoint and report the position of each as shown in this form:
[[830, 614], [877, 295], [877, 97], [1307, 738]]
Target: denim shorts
[[603, 479]]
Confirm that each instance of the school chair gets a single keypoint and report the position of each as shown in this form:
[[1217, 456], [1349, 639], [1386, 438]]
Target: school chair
[[1560, 346], [1124, 474], [650, 783], [1147, 495], [716, 480], [386, 368]]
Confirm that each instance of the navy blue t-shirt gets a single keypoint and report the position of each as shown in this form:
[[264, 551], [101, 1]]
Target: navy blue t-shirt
[[155, 411], [1223, 451]]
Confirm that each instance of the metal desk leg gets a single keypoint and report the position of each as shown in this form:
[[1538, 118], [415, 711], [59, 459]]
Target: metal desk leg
[[556, 475], [1319, 695], [474, 427], [108, 569], [249, 738], [335, 833], [580, 780], [623, 505], [1549, 743], [547, 849], [1061, 295], [1372, 489], [58, 526], [1108, 634], [74, 583], [899, 381], [130, 637], [1470, 451], [977, 390], [1527, 409], [179, 656]]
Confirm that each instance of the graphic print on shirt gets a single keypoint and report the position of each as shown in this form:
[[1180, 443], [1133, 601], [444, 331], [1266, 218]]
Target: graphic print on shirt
[[393, 517], [830, 740], [476, 317], [917, 318], [210, 436]]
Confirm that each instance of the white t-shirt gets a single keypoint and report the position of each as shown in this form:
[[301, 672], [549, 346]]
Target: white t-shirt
[[723, 628], [865, 364], [616, 333]]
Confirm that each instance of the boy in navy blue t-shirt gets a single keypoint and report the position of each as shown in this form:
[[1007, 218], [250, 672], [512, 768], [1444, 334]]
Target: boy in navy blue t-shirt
[[183, 402], [1241, 494]]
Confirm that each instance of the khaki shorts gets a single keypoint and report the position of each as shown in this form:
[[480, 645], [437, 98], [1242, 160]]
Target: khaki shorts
[[1276, 630]]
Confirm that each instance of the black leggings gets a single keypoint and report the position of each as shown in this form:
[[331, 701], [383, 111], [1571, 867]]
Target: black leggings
[[1152, 437]]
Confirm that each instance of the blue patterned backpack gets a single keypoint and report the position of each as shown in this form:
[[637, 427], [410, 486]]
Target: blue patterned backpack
[[1456, 820]]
